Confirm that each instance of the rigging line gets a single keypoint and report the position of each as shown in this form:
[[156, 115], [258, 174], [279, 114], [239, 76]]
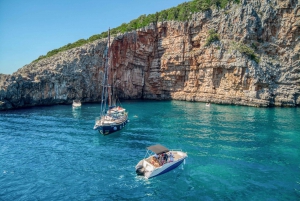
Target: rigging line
[[105, 84], [110, 72], [113, 75]]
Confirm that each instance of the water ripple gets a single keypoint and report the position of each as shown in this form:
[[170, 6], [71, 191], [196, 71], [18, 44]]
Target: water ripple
[[235, 153]]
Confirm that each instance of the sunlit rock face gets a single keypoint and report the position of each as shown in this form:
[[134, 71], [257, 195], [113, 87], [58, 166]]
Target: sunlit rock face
[[74, 74], [170, 60]]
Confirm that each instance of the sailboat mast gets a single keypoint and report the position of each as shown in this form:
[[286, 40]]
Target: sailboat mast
[[109, 73], [105, 84]]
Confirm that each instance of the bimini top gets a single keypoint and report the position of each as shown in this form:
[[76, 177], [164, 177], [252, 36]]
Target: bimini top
[[158, 149]]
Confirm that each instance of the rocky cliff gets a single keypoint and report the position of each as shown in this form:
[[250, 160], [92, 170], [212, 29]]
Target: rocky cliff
[[254, 62]]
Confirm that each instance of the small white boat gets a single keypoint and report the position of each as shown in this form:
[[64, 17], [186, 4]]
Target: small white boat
[[208, 104], [163, 160], [76, 104]]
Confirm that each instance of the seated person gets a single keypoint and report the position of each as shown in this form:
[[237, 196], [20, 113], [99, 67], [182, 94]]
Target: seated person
[[161, 159], [165, 157], [171, 157], [154, 162]]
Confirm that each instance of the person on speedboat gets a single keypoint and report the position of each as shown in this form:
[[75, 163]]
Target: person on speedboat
[[171, 157]]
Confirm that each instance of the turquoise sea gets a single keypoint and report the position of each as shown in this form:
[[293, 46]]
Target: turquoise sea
[[234, 153]]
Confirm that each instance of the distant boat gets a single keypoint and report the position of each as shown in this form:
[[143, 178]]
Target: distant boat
[[208, 104], [163, 160], [76, 104], [112, 117]]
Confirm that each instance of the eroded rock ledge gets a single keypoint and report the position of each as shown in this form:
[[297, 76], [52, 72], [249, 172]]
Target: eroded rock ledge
[[169, 60]]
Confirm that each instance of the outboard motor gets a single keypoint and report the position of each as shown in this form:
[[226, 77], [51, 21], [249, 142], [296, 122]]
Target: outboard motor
[[140, 170]]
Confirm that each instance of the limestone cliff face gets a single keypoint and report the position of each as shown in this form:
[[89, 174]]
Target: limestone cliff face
[[170, 60], [56, 80]]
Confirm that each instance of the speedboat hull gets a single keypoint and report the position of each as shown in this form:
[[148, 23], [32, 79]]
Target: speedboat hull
[[76, 106], [164, 169], [148, 170]]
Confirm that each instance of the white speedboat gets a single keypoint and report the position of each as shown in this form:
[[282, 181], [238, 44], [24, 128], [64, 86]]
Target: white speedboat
[[76, 104], [163, 160]]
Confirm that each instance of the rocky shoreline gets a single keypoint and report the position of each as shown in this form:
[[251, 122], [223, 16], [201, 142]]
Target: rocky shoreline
[[171, 61]]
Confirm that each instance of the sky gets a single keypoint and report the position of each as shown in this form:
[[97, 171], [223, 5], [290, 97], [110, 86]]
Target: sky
[[32, 28]]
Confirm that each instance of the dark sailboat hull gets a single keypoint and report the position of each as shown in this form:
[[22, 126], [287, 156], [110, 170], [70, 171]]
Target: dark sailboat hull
[[108, 129]]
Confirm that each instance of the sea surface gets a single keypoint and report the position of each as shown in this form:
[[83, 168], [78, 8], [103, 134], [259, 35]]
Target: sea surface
[[234, 153]]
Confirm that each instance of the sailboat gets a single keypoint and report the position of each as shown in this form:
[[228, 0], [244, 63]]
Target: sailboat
[[112, 117]]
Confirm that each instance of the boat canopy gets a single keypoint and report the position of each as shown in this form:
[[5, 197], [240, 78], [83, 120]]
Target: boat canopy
[[158, 149]]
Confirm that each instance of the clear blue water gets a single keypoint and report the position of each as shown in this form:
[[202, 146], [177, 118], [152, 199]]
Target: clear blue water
[[234, 153]]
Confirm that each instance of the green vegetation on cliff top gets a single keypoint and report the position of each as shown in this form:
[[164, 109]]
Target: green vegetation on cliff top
[[182, 12]]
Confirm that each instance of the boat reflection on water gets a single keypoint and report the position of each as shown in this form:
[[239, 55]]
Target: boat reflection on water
[[76, 112]]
